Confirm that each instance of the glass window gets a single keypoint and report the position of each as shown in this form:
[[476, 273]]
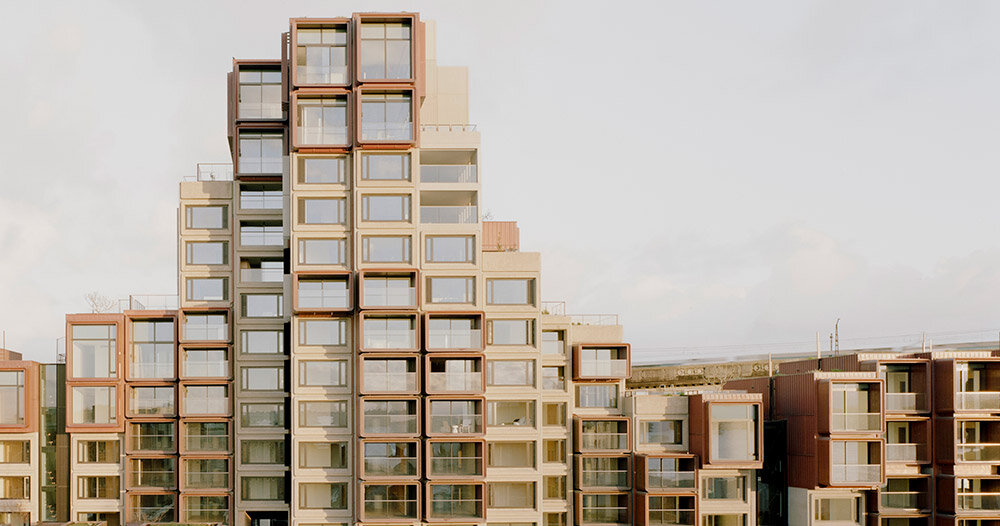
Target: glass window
[[260, 94], [322, 211], [261, 233], [207, 217], [510, 291], [386, 116], [555, 451], [667, 432], [391, 459], [385, 207], [322, 121], [263, 378], [323, 455], [597, 395], [206, 327], [455, 500], [323, 413], [724, 488], [205, 363], [99, 487], [451, 290], [15, 452], [261, 197], [323, 170], [385, 50], [94, 405], [98, 452], [519, 495], [450, 249], [152, 401], [552, 342], [262, 451], [321, 331], [151, 436], [322, 251], [555, 487], [509, 454], [262, 305], [510, 373], [323, 373], [734, 432], [12, 411], [206, 473], [554, 414], [262, 342], [390, 416], [207, 289], [207, 253], [323, 495], [553, 377], [331, 293], [94, 351], [511, 332], [260, 153], [385, 166], [838, 509], [385, 249], [510, 413], [262, 488], [321, 55], [206, 436], [262, 415], [206, 509], [206, 399]]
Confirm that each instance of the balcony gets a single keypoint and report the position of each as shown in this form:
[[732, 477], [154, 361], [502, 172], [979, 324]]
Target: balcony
[[854, 422], [456, 382], [905, 402], [390, 424], [262, 275], [603, 472], [904, 452], [977, 452], [978, 400], [448, 173], [861, 474], [599, 362], [978, 501], [902, 499], [261, 200], [323, 295], [449, 214], [390, 502]]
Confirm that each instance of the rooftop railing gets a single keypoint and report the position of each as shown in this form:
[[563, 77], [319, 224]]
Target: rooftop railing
[[212, 172], [448, 127]]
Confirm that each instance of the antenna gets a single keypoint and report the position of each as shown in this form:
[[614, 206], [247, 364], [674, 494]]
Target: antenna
[[836, 331], [818, 356]]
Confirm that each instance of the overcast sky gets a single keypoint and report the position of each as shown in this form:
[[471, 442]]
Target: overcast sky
[[719, 173]]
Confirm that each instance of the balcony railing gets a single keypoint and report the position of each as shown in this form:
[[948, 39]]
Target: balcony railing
[[594, 319], [260, 165], [904, 452], [321, 74], [207, 480], [153, 479], [150, 442], [390, 467], [671, 479], [391, 339], [209, 332], [152, 407], [905, 402], [391, 424], [449, 214], [605, 515], [386, 131], [213, 172], [152, 513], [454, 338], [856, 421], [604, 368], [323, 299], [260, 110], [207, 442], [978, 452], [261, 201], [267, 238], [979, 501], [457, 382], [553, 382], [207, 369], [262, 275], [206, 406], [153, 302], [458, 466], [152, 370], [671, 518], [978, 400], [319, 135], [389, 509], [390, 297], [553, 347], [902, 499], [448, 173], [856, 473], [456, 424], [457, 508], [591, 440], [390, 382], [604, 478]]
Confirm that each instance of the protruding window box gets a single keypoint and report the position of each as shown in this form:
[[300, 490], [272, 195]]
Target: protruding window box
[[320, 119], [327, 292], [389, 331], [455, 502], [603, 472], [205, 364], [850, 407], [385, 48], [152, 473], [321, 50], [665, 510], [258, 91], [388, 116], [16, 387], [390, 416], [260, 152], [205, 327], [455, 458], [973, 497], [454, 331], [205, 400], [905, 495], [151, 438], [205, 508], [601, 362], [455, 374], [908, 442], [93, 352], [385, 459], [976, 441], [208, 437], [726, 430], [602, 434], [666, 474], [205, 474], [449, 417], [907, 385], [603, 508], [389, 289], [146, 507], [390, 374], [976, 385], [151, 401], [851, 463], [390, 503]]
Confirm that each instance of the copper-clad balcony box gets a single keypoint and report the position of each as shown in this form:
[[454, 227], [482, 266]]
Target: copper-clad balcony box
[[455, 374], [205, 400], [726, 429], [151, 473], [905, 496], [321, 50], [659, 510], [152, 349], [967, 385], [969, 498], [971, 440], [150, 506], [389, 289], [907, 386], [850, 406], [603, 508], [205, 327], [205, 436], [662, 474], [455, 417], [256, 91], [322, 292], [601, 361], [19, 393], [851, 462], [94, 347], [206, 474], [602, 434], [454, 501], [387, 117], [389, 502], [395, 417], [388, 331], [388, 48], [908, 441], [603, 472], [157, 437], [455, 458], [260, 152], [389, 373], [390, 459], [454, 331]]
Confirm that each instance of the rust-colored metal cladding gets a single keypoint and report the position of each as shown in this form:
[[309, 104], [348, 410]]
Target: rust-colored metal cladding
[[501, 236]]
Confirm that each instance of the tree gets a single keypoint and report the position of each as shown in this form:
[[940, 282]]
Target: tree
[[99, 303]]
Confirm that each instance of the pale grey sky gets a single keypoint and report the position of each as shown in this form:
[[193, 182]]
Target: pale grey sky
[[719, 173]]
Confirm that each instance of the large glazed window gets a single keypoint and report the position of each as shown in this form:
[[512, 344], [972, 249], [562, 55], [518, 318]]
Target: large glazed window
[[15, 452], [323, 414], [207, 253], [385, 50], [152, 401], [385, 166], [94, 405], [451, 290], [322, 121], [450, 249], [206, 436], [510, 332], [262, 305], [151, 436], [323, 373], [206, 509], [262, 342], [385, 249], [262, 488], [510, 413], [386, 116], [510, 291], [12, 410], [322, 211], [207, 217], [324, 495], [94, 351], [260, 153], [323, 455], [597, 395], [315, 251], [206, 327], [379, 207], [262, 378], [206, 399], [734, 432], [205, 363], [260, 94], [207, 289], [321, 55], [263, 415], [322, 331], [323, 170], [321, 294]]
